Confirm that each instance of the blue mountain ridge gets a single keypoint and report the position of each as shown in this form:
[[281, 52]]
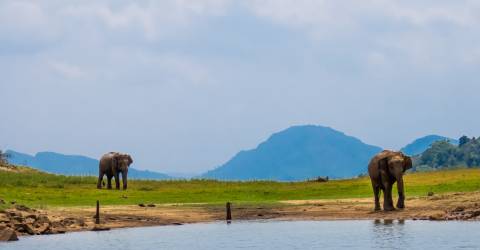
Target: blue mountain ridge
[[299, 153], [71, 165], [420, 145], [296, 153]]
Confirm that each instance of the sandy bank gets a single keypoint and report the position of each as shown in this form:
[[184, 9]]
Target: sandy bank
[[454, 206]]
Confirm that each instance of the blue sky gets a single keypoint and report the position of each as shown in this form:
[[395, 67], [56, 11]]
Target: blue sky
[[184, 85]]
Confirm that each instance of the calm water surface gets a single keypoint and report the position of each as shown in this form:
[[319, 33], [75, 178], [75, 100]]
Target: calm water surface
[[270, 235]]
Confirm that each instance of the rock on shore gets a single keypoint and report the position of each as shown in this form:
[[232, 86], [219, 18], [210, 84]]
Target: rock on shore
[[7, 234], [22, 220], [464, 213]]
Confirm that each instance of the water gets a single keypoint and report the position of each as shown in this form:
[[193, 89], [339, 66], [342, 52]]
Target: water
[[270, 235]]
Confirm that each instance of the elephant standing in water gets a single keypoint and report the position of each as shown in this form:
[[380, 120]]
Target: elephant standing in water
[[385, 169], [112, 164]]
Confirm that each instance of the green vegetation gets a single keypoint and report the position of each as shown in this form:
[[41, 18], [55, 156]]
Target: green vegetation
[[3, 157], [42, 190], [445, 155]]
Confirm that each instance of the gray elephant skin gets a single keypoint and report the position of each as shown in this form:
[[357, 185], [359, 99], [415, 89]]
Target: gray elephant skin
[[112, 165], [386, 168]]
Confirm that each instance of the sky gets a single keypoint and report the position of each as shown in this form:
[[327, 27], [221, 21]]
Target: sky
[[184, 85]]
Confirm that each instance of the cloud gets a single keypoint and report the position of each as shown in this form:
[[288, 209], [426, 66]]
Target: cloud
[[152, 19], [165, 79], [424, 31], [67, 70], [318, 14], [25, 26]]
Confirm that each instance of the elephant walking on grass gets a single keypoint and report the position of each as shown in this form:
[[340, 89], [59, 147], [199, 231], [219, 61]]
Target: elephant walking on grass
[[385, 169], [112, 164]]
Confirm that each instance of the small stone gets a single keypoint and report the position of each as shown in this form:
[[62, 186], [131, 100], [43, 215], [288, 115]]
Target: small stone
[[24, 228], [23, 208], [42, 228], [430, 193], [7, 234], [42, 219], [141, 205], [4, 218], [31, 216], [18, 218], [13, 213], [100, 228], [459, 209], [437, 216]]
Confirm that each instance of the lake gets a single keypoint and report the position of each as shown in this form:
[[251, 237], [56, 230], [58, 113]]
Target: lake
[[363, 234]]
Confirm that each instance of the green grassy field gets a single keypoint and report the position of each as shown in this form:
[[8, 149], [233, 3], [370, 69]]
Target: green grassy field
[[43, 190]]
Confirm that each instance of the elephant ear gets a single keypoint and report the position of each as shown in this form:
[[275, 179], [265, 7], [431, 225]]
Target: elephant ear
[[130, 161], [383, 164], [407, 163]]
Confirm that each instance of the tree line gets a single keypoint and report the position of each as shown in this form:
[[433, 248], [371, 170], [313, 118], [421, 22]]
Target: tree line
[[3, 157], [443, 154]]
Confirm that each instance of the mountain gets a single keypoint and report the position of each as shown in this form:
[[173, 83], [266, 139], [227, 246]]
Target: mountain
[[420, 145], [71, 165], [299, 153]]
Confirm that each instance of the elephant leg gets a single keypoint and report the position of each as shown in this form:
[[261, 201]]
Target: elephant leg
[[387, 197], [109, 182], [100, 179], [124, 178], [401, 194], [376, 194], [117, 181]]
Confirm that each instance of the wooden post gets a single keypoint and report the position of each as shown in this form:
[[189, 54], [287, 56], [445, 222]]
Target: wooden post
[[97, 215], [229, 212]]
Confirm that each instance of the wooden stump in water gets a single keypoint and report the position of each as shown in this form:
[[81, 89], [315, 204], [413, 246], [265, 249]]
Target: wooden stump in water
[[229, 212], [97, 215]]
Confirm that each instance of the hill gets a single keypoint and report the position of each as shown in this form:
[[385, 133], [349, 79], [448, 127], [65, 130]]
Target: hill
[[421, 144], [445, 155], [71, 165], [299, 153]]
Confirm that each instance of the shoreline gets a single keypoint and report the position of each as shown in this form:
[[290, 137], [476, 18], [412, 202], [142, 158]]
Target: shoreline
[[26, 221]]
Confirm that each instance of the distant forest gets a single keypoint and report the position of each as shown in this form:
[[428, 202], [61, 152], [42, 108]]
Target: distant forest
[[443, 154], [3, 157]]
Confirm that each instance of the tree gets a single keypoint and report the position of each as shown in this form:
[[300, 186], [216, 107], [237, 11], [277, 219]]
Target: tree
[[440, 154], [463, 140], [3, 157]]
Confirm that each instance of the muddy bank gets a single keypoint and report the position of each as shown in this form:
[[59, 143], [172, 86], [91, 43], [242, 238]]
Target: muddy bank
[[26, 221]]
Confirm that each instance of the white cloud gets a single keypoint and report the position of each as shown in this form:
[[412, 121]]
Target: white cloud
[[154, 19], [67, 70], [318, 14], [207, 74], [424, 31], [24, 22]]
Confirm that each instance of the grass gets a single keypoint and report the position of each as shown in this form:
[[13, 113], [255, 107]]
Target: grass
[[42, 190]]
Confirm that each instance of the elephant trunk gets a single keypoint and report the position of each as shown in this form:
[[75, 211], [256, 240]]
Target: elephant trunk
[[401, 193], [125, 179]]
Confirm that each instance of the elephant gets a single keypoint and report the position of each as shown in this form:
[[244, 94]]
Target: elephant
[[386, 168], [112, 164]]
